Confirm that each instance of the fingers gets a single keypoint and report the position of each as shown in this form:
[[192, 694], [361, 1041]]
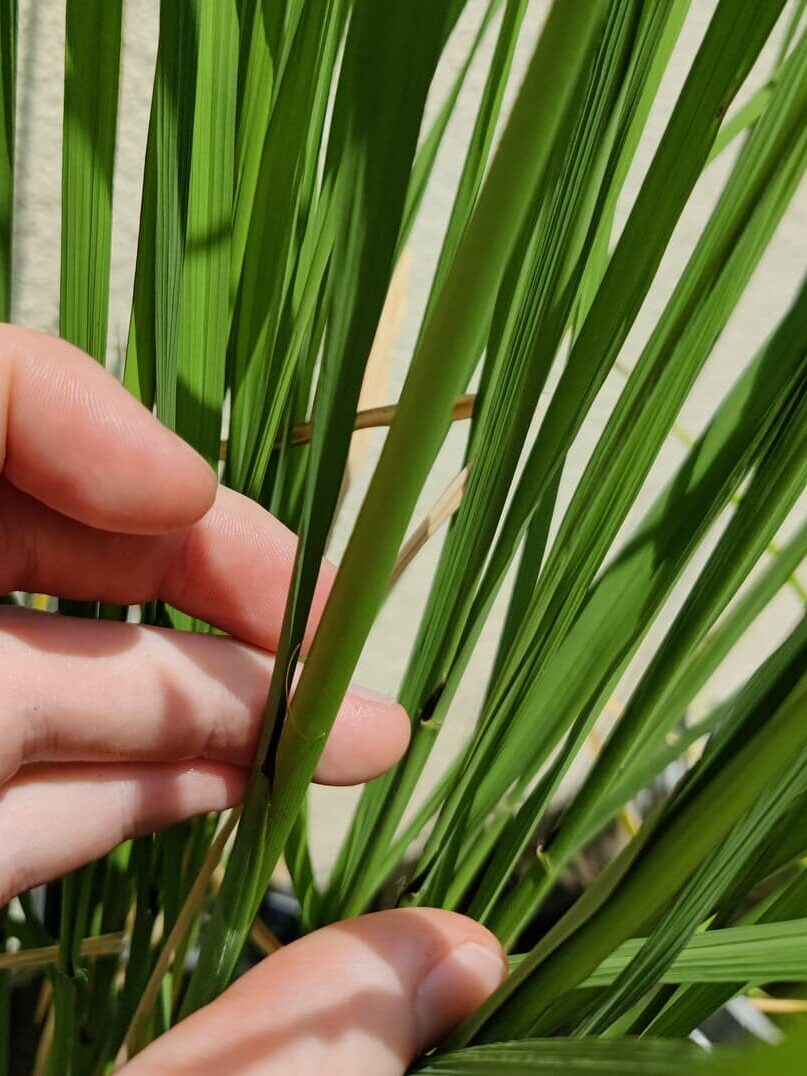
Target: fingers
[[99, 501], [366, 996], [232, 569], [72, 437], [56, 818], [83, 690]]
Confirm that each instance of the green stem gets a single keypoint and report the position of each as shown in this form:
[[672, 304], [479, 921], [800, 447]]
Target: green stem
[[68, 977]]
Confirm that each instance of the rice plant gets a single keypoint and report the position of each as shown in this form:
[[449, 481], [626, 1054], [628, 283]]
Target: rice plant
[[290, 150]]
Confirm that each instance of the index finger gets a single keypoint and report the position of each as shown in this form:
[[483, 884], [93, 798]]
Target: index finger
[[232, 568], [75, 439]]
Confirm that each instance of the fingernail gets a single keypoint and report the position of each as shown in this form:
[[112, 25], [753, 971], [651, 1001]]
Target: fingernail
[[369, 695], [456, 986]]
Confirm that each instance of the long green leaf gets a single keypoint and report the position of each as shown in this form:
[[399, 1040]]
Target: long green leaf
[[555, 1057], [659, 31], [758, 954], [427, 152], [204, 320], [151, 360], [92, 65], [92, 62], [477, 155], [259, 371], [264, 39]]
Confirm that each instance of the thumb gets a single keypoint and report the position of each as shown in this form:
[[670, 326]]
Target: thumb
[[367, 995]]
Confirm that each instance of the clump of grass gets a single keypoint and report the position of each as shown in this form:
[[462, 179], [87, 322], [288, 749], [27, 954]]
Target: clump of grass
[[287, 159]]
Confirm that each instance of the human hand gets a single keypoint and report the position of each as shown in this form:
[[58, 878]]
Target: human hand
[[360, 998], [112, 730]]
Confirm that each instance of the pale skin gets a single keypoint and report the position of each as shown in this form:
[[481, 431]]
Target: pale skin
[[112, 730]]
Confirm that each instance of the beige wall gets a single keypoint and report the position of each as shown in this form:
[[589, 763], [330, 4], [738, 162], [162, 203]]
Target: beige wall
[[36, 296]]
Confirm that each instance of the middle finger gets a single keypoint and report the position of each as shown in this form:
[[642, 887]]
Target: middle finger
[[84, 690]]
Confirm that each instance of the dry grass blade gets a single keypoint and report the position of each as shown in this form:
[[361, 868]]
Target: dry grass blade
[[377, 371], [780, 1006], [441, 511], [264, 939], [375, 417], [371, 419], [45, 1040], [102, 945]]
